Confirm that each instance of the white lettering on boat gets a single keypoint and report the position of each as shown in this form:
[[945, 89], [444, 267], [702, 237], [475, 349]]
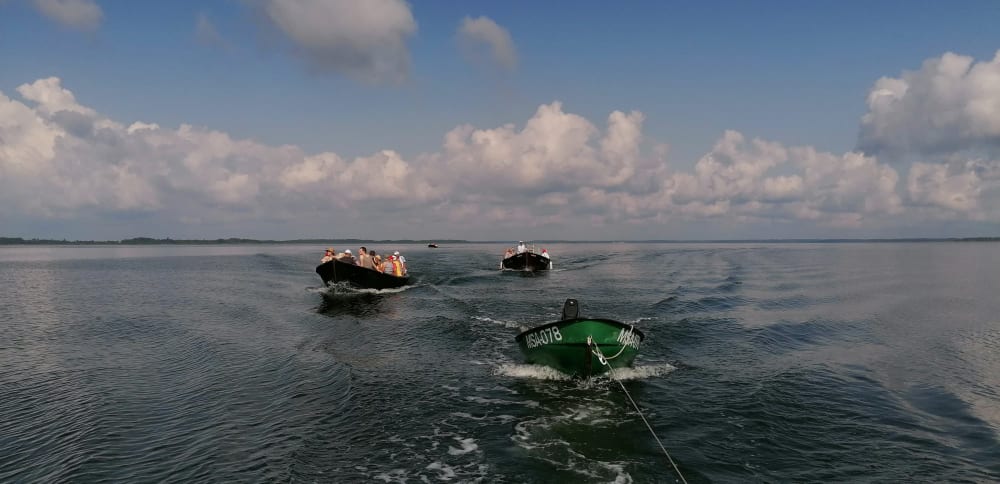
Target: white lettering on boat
[[543, 337], [629, 338]]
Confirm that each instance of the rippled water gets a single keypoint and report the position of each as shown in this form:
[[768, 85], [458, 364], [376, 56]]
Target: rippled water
[[763, 362]]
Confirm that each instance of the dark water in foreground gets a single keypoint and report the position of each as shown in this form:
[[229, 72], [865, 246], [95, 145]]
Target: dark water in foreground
[[763, 362]]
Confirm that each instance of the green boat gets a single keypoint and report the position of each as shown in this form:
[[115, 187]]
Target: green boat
[[581, 347]]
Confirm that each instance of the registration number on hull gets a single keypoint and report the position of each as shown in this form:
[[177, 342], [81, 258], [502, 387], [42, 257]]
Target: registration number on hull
[[629, 338], [543, 337]]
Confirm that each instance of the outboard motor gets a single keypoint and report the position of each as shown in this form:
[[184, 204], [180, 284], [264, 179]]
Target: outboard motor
[[571, 310]]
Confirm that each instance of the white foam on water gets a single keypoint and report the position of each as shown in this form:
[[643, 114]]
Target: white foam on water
[[503, 418], [468, 445], [537, 372], [541, 372], [500, 322], [395, 475], [445, 472], [492, 401], [542, 443], [643, 372], [392, 290], [345, 289]]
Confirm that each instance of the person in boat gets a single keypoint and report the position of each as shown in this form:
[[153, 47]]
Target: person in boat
[[377, 262], [508, 252], [401, 259], [521, 248], [365, 260], [398, 269], [545, 253], [328, 257], [347, 257], [387, 266]]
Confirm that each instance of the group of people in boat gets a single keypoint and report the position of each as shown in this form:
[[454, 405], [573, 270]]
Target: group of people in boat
[[394, 264], [520, 249]]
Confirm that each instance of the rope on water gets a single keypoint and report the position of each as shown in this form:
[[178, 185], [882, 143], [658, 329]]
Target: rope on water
[[600, 356]]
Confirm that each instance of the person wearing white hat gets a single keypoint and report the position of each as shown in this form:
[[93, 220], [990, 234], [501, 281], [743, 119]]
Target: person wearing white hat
[[402, 261], [347, 257]]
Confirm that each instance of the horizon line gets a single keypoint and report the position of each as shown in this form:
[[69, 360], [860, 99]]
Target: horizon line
[[242, 240]]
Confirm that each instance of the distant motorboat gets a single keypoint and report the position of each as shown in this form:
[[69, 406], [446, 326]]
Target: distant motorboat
[[579, 346], [336, 270], [433, 246]]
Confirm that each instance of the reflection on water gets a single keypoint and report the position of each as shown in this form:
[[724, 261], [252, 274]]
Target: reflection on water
[[761, 363], [358, 304]]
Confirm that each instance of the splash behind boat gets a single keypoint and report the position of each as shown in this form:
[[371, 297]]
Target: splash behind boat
[[335, 271], [581, 346]]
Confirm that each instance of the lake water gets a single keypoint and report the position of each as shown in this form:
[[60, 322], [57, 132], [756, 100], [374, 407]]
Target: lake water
[[763, 363]]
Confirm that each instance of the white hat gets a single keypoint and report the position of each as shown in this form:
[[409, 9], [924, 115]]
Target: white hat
[[348, 251], [395, 253]]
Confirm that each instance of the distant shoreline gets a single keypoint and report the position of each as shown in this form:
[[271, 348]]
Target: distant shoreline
[[241, 241]]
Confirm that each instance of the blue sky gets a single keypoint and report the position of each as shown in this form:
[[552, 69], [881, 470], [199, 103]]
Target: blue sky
[[264, 120]]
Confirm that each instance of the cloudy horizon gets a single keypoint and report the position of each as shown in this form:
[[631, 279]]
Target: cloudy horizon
[[924, 162]]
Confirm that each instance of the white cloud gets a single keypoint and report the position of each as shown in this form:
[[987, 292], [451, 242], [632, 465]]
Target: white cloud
[[952, 103], [364, 40], [60, 159], [77, 14], [967, 188], [483, 32]]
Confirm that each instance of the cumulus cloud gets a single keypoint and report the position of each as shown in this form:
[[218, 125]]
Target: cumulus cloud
[[60, 159], [482, 39], [82, 15], [363, 40], [952, 103]]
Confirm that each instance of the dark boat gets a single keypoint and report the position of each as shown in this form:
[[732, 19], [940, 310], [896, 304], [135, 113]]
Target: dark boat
[[526, 261], [579, 346], [433, 246], [525, 258], [335, 271]]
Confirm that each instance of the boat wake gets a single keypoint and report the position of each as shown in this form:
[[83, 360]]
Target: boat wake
[[536, 372], [542, 372], [506, 324], [345, 289]]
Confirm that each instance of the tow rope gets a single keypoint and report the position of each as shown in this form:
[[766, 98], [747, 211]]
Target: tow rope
[[604, 361]]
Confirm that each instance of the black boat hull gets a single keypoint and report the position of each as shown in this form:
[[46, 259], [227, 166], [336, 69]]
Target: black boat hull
[[335, 271], [526, 261]]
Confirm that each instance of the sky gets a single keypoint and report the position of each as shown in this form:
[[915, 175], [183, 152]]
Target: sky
[[379, 119]]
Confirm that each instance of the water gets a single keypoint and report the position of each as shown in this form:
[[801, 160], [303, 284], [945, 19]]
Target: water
[[763, 362]]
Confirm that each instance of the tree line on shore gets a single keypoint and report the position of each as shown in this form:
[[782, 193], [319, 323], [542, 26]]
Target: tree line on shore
[[228, 241]]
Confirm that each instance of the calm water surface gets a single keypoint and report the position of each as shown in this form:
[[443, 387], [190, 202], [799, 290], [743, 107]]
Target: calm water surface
[[763, 363]]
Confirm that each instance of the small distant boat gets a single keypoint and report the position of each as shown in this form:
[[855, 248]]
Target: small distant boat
[[433, 246], [526, 259], [581, 347], [335, 271]]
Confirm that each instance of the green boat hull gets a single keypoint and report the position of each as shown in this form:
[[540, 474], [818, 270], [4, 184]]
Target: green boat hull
[[564, 345]]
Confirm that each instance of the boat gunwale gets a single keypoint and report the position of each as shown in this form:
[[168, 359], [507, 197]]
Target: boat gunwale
[[533, 261], [520, 337], [379, 275]]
